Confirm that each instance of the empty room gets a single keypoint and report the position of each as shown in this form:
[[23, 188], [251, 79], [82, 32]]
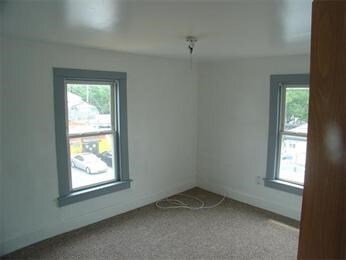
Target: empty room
[[172, 129]]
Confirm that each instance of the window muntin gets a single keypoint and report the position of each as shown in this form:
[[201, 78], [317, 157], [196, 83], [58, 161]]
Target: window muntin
[[293, 126], [91, 128]]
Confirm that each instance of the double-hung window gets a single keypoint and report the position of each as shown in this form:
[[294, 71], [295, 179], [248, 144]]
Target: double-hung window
[[288, 126], [91, 133]]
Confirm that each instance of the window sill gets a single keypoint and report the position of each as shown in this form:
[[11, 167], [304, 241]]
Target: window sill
[[284, 186], [93, 192]]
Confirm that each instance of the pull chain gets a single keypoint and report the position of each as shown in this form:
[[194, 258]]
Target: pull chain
[[191, 50], [191, 40]]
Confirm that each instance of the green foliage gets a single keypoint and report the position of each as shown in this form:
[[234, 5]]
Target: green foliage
[[297, 104], [99, 96]]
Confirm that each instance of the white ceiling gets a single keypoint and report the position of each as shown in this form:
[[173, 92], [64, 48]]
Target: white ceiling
[[225, 29]]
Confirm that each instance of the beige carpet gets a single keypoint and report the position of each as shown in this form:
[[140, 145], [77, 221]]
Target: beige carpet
[[230, 231]]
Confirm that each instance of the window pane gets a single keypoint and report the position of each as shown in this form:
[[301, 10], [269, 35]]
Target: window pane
[[292, 159], [296, 109], [89, 107], [92, 160]]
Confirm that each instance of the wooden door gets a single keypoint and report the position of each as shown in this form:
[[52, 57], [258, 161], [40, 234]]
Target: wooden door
[[323, 222]]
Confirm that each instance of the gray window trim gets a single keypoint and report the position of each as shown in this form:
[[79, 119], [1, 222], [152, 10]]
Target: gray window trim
[[60, 75], [276, 83]]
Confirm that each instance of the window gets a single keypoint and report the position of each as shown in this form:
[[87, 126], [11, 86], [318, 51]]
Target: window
[[91, 133], [289, 106]]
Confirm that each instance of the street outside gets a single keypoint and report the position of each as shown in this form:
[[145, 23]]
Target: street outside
[[80, 178]]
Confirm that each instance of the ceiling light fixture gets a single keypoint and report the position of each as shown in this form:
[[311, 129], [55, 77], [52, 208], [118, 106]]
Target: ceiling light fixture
[[191, 41]]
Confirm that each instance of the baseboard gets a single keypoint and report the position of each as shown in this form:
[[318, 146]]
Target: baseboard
[[253, 201], [93, 217]]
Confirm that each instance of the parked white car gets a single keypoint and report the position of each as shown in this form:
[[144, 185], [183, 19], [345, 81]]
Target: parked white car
[[89, 163]]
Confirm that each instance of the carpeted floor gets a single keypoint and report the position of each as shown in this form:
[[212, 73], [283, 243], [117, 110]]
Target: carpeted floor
[[233, 231]]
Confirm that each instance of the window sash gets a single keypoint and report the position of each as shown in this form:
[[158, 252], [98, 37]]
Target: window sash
[[114, 85], [117, 177], [87, 134], [282, 115], [293, 133], [279, 150]]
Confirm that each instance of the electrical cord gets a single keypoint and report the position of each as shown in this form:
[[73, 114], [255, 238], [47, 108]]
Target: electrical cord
[[179, 204]]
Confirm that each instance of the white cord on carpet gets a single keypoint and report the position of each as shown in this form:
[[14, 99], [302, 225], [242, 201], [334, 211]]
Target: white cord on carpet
[[178, 204]]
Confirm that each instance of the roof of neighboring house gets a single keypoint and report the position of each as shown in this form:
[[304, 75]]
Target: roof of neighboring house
[[73, 99], [300, 129]]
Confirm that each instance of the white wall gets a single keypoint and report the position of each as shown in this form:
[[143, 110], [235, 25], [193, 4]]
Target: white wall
[[233, 129], [162, 131]]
